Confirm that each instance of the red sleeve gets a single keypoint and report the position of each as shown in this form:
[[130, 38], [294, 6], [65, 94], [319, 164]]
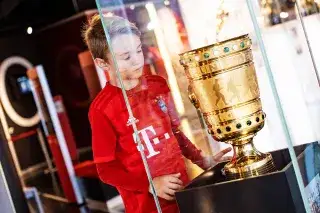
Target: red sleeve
[[103, 137], [189, 150], [114, 174], [110, 170]]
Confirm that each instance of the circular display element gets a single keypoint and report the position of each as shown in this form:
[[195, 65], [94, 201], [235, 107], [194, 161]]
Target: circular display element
[[14, 116]]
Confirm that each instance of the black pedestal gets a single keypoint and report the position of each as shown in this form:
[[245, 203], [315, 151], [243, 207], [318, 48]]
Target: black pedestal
[[277, 192]]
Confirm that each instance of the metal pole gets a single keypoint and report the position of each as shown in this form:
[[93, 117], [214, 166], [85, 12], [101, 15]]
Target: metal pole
[[131, 116], [48, 160]]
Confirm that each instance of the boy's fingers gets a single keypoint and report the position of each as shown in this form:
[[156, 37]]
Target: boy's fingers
[[166, 196], [169, 192], [225, 151], [177, 175], [175, 180], [174, 186], [221, 154], [226, 158]]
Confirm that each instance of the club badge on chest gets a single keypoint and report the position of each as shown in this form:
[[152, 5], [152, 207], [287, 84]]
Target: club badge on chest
[[161, 104]]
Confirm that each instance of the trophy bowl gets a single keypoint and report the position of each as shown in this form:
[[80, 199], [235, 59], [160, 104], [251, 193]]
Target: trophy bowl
[[223, 86]]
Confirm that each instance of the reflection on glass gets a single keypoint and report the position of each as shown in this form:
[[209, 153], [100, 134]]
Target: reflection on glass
[[157, 91], [156, 116]]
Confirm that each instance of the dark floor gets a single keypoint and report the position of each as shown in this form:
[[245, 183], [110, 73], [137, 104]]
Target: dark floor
[[53, 206], [92, 189], [46, 183]]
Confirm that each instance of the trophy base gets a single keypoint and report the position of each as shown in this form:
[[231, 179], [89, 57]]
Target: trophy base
[[274, 192], [256, 167], [248, 161]]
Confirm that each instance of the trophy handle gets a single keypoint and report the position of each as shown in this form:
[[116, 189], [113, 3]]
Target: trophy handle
[[193, 98]]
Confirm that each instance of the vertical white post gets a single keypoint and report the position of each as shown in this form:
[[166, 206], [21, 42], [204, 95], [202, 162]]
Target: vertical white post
[[59, 133]]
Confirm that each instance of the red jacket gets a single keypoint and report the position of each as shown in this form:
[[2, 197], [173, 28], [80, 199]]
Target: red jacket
[[116, 155]]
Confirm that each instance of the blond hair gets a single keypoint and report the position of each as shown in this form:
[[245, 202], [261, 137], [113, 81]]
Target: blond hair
[[94, 36]]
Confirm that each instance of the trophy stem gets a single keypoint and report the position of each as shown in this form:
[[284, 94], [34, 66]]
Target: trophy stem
[[247, 161]]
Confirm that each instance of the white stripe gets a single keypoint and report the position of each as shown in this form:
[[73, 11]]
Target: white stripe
[[59, 133]]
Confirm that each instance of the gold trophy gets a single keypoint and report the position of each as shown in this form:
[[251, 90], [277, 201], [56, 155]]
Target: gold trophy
[[224, 87]]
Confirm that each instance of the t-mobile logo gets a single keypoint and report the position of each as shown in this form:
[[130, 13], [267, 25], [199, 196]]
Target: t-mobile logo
[[147, 142]]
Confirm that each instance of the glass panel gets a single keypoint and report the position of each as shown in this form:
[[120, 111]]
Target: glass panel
[[5, 196], [232, 86], [308, 12], [299, 84], [280, 101]]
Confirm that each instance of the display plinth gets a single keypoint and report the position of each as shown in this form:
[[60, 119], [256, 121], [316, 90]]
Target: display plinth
[[275, 192]]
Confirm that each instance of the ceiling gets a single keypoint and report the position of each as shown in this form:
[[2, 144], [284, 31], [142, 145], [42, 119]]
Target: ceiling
[[17, 15]]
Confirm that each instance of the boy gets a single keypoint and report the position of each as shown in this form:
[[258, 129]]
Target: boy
[[115, 151]]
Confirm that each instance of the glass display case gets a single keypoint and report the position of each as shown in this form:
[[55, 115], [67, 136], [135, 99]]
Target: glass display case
[[187, 80]]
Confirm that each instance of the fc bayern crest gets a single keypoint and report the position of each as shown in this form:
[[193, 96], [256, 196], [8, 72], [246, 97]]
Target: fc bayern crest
[[162, 105]]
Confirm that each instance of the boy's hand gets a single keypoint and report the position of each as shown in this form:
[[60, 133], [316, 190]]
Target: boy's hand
[[210, 161], [167, 185]]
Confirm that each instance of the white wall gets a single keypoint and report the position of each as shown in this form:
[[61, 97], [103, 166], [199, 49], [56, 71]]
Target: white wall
[[290, 62]]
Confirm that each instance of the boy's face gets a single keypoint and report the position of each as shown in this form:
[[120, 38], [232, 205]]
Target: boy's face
[[129, 56]]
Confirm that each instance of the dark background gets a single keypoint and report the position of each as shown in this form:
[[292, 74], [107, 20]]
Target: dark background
[[17, 15], [55, 44]]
